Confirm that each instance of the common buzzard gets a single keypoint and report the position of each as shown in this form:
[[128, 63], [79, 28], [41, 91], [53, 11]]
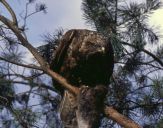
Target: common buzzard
[[83, 57]]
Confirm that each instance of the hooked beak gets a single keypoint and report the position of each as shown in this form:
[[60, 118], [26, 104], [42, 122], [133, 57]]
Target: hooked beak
[[102, 50]]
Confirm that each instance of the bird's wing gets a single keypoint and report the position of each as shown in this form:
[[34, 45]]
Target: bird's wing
[[62, 50]]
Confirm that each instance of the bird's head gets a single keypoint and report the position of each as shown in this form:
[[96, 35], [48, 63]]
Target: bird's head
[[93, 44]]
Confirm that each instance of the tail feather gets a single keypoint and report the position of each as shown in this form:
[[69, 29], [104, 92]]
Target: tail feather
[[67, 110]]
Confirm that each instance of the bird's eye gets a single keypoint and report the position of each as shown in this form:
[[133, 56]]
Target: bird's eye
[[103, 49]]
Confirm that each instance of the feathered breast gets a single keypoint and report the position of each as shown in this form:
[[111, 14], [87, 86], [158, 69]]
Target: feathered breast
[[84, 57]]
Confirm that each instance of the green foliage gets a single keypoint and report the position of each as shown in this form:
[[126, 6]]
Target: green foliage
[[160, 124], [27, 115], [158, 87], [52, 41], [100, 14], [134, 89], [6, 92]]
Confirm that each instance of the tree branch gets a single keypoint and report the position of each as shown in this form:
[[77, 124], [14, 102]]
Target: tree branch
[[110, 112], [145, 105], [10, 11], [23, 41], [42, 85], [145, 51], [19, 64], [45, 67], [120, 119]]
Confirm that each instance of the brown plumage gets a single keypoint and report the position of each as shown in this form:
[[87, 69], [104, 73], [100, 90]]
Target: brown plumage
[[83, 57]]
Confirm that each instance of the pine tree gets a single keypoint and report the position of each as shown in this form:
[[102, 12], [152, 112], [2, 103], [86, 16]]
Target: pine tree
[[34, 104], [136, 88]]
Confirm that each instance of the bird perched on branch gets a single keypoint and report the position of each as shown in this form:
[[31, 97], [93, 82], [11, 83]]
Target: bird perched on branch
[[83, 57]]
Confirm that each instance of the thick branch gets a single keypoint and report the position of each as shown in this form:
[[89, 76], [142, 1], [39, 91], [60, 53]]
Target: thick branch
[[10, 11], [43, 64], [63, 82], [109, 112], [23, 41], [120, 119]]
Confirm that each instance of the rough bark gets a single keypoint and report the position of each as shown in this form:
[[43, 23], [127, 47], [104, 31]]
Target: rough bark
[[12, 25], [120, 119]]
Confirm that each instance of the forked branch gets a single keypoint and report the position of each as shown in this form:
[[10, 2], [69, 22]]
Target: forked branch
[[10, 11], [120, 119]]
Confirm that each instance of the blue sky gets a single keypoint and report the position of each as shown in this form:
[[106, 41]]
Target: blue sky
[[61, 13]]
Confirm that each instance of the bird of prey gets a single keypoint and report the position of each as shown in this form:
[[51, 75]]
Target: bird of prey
[[83, 57]]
